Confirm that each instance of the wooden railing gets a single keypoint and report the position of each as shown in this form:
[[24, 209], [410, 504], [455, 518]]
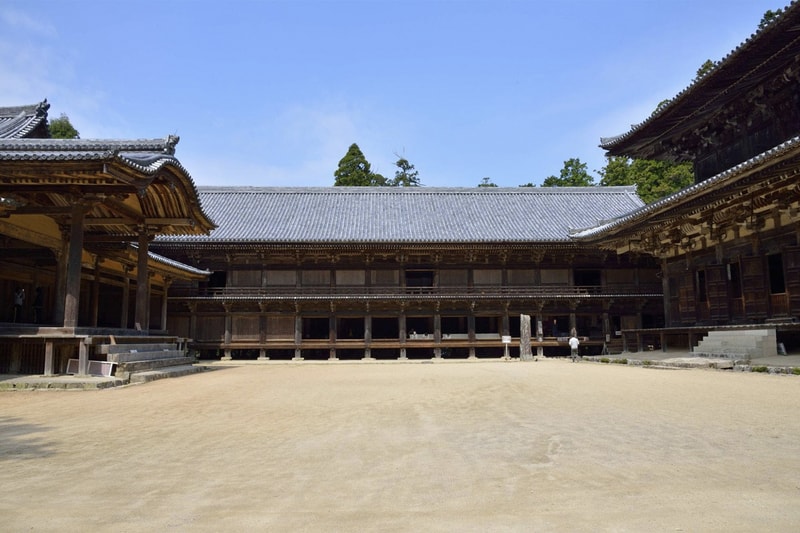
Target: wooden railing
[[379, 292]]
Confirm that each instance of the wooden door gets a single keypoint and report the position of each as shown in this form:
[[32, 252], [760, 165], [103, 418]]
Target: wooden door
[[791, 264], [754, 288], [687, 299], [717, 291]]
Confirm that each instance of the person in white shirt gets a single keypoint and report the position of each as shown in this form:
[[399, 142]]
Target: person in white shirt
[[573, 344]]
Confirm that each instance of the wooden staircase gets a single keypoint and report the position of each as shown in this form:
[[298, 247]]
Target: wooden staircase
[[143, 359]]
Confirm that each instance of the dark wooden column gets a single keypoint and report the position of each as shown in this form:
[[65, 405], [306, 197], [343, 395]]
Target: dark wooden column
[[332, 333], [368, 334], [192, 306], [228, 331], [437, 332], [126, 296], [167, 283], [73, 280], [298, 334], [61, 278], [471, 330], [95, 304], [403, 332], [142, 282], [262, 330]]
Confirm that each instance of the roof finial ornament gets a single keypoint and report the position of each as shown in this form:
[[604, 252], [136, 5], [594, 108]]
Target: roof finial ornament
[[42, 107], [169, 145]]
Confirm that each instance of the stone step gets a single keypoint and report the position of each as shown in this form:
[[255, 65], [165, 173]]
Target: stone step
[[133, 347], [163, 373], [144, 356], [126, 369], [738, 343]]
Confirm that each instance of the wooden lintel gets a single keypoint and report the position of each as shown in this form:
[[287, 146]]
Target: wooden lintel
[[27, 235], [99, 237], [108, 221], [41, 210], [169, 222]]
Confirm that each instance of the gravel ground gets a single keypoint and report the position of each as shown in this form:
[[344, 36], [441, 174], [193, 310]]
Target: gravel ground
[[467, 446]]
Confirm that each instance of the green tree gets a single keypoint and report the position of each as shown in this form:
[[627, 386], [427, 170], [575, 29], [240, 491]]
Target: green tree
[[61, 128], [355, 171], [574, 174], [487, 182], [704, 69], [768, 17], [406, 175], [653, 179]]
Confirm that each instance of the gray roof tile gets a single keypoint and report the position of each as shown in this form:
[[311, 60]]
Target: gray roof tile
[[23, 121], [407, 215]]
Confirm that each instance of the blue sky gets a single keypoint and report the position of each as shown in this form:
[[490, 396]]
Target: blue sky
[[273, 92]]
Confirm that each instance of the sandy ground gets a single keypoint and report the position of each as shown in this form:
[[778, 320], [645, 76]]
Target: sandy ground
[[486, 446]]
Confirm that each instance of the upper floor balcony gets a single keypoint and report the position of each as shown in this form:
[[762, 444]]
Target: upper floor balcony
[[361, 292]]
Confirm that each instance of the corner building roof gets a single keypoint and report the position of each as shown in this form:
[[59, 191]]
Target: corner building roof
[[406, 215]]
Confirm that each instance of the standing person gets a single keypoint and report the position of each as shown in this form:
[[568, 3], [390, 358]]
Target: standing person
[[19, 301], [573, 345]]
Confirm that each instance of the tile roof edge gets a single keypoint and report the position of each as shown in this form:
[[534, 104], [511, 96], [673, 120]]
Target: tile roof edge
[[594, 189]]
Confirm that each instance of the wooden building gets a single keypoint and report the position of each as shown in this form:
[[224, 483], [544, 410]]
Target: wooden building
[[76, 220], [393, 273], [729, 246], [414, 273]]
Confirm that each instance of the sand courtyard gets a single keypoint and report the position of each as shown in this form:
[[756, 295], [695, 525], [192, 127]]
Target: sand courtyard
[[467, 446]]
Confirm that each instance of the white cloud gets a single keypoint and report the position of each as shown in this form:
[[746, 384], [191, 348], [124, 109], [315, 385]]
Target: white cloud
[[19, 20]]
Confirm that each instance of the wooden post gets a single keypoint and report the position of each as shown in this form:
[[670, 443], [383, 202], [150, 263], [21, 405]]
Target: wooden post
[[228, 334], [95, 303], [403, 334], [126, 296], [73, 280], [298, 335], [142, 282], [368, 335], [167, 283]]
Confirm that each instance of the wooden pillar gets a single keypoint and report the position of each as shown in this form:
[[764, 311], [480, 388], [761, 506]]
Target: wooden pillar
[[403, 334], [539, 329], [95, 303], [126, 296], [471, 330], [73, 280], [142, 283], [298, 335], [332, 334], [192, 319], [262, 331], [573, 323], [665, 291], [228, 328], [167, 283], [61, 279], [368, 335], [437, 333]]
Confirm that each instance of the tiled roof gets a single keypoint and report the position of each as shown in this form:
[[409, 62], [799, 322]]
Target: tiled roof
[[145, 155], [23, 121], [406, 215], [172, 263], [717, 80], [673, 200]]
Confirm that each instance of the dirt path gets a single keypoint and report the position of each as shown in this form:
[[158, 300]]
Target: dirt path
[[500, 446]]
